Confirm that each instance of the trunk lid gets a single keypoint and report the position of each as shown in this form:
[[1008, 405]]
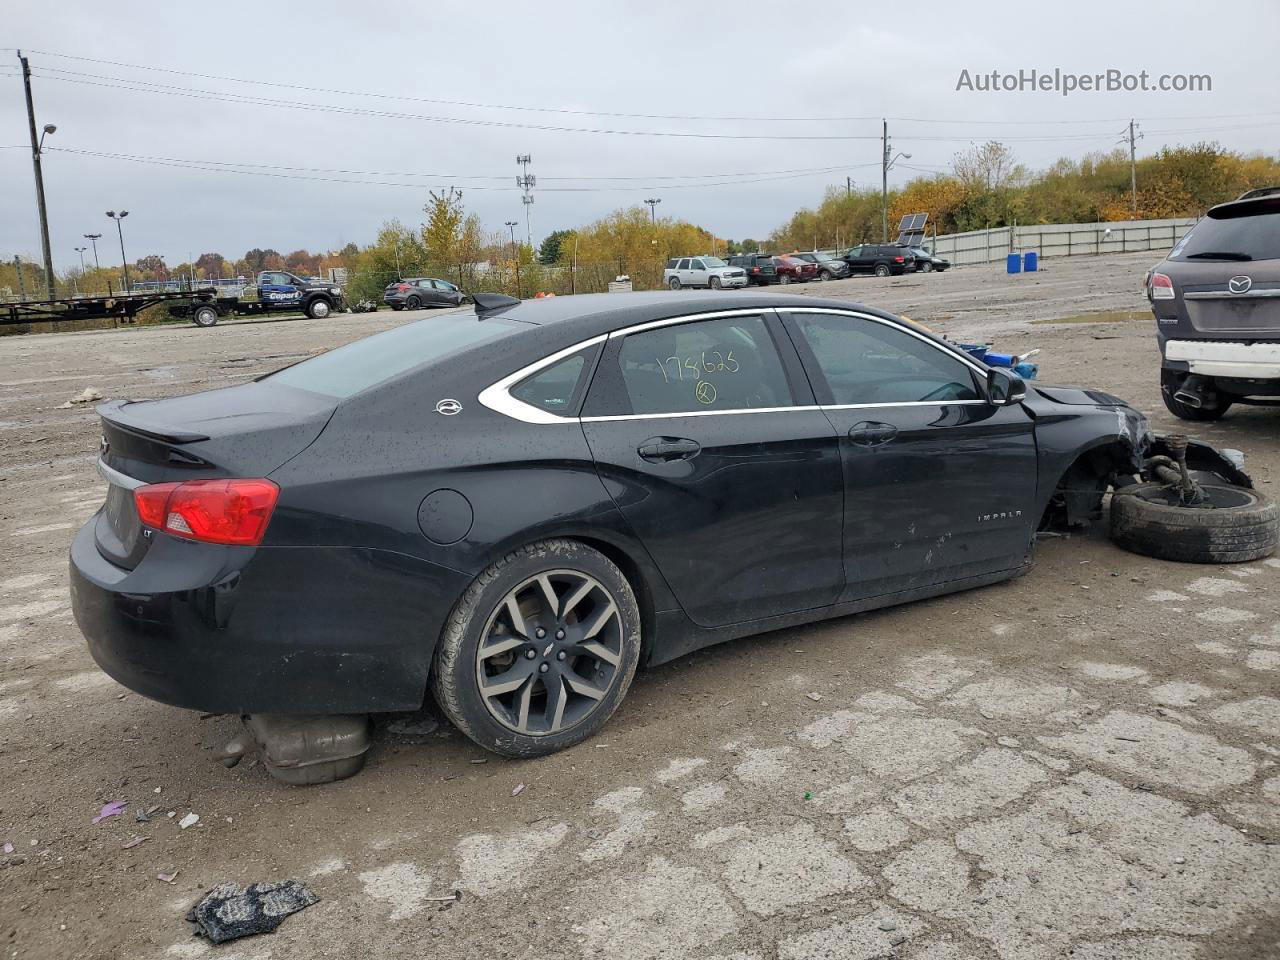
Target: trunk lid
[[243, 431]]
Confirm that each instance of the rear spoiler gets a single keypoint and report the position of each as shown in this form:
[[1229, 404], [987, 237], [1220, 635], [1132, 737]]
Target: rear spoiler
[[112, 412]]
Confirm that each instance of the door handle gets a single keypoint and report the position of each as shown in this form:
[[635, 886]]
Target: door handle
[[869, 433], [667, 449]]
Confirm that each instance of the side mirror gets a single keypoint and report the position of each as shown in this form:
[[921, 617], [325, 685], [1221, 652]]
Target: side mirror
[[1003, 388]]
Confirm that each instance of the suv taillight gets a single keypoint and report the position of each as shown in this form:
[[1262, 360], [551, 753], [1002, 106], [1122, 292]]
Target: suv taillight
[[899, 259], [234, 512], [1161, 287], [755, 269]]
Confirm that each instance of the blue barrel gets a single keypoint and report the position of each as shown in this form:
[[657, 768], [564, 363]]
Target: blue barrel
[[1030, 261], [1013, 263]]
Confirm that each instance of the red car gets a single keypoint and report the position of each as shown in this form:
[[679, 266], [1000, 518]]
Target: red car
[[794, 270]]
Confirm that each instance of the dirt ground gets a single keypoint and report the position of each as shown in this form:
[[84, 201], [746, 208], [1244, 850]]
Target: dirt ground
[[1079, 763]]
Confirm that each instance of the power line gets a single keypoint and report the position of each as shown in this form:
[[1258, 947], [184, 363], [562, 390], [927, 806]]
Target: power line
[[220, 167], [598, 113]]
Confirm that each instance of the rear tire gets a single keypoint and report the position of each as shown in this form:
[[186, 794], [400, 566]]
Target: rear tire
[[571, 655], [674, 283], [413, 303], [1248, 529], [204, 315], [1169, 383], [882, 270], [318, 309], [396, 306]]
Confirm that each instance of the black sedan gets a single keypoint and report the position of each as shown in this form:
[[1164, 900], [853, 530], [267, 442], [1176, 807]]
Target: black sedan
[[927, 262], [518, 507], [419, 292]]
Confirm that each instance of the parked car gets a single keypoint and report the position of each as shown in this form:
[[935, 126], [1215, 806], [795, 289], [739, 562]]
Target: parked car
[[516, 513], [1216, 300], [759, 268], [881, 259], [710, 272], [793, 270], [419, 292], [828, 265], [927, 262]]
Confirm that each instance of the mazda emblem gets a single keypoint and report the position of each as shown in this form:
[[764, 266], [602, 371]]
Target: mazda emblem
[[448, 407], [1239, 284]]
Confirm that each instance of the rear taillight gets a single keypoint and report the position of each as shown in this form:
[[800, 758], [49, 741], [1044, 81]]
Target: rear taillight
[[899, 259], [402, 286], [234, 512], [1161, 287], [755, 269]]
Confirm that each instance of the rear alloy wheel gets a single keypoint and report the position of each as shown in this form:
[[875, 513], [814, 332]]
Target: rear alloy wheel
[[1233, 525], [882, 269], [715, 283], [414, 302], [674, 283], [204, 315], [318, 309], [540, 650]]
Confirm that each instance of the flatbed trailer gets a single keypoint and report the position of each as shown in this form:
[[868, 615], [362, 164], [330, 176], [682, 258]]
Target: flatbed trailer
[[115, 306]]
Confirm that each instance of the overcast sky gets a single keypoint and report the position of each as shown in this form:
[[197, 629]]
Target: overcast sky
[[586, 61]]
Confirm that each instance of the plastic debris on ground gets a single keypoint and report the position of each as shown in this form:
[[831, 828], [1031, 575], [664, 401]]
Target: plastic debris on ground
[[519, 789], [112, 809], [228, 912], [190, 820], [88, 395]]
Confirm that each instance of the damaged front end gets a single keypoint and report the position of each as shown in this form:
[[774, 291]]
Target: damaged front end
[[1176, 459]]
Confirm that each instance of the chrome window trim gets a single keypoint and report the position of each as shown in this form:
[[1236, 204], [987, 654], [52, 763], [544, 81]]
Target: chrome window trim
[[498, 398]]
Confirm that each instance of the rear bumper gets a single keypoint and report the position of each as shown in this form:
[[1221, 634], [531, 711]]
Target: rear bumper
[[265, 630], [1215, 358]]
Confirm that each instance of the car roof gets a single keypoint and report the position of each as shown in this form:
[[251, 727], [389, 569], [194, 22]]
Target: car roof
[[1263, 203], [588, 315]]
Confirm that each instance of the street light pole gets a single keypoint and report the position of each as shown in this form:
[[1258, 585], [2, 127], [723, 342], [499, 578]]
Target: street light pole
[[81, 250], [36, 145], [117, 217], [653, 207], [94, 238]]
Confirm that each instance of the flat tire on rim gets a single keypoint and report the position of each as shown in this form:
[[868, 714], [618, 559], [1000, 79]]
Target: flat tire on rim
[[540, 650]]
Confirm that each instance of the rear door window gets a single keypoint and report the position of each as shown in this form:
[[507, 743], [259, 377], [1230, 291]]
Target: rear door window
[[729, 363]]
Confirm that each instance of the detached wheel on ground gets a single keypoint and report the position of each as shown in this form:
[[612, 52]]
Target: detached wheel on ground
[[1233, 526], [204, 315], [540, 650], [318, 309]]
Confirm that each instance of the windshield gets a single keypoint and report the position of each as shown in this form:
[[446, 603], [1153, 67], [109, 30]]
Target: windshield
[[1239, 238], [349, 370], [713, 262]]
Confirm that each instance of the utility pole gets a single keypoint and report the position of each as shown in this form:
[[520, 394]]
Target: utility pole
[[886, 164], [526, 182], [94, 238], [515, 254], [653, 206], [848, 186], [22, 284], [1133, 166], [884, 179], [36, 143]]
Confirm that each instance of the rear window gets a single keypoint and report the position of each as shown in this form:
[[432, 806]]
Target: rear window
[[1254, 237], [356, 367]]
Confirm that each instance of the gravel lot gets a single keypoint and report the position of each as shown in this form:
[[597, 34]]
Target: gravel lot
[[1079, 763]]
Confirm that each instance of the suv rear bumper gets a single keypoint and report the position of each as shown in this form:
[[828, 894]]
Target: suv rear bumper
[[1215, 358]]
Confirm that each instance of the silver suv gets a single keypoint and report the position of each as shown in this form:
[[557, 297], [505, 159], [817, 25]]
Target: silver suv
[[702, 272], [1216, 299]]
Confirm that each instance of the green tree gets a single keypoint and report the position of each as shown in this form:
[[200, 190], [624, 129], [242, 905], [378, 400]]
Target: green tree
[[549, 252], [442, 233]]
